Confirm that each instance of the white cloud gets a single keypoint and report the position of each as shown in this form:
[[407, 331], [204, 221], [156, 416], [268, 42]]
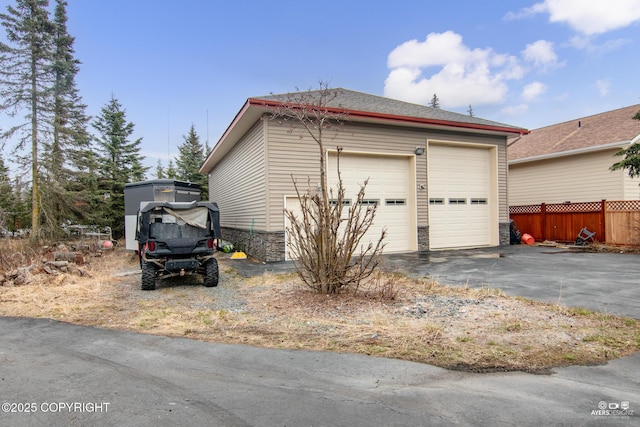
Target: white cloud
[[461, 76], [541, 54], [526, 12], [586, 44], [604, 87], [515, 110], [588, 17], [533, 90]]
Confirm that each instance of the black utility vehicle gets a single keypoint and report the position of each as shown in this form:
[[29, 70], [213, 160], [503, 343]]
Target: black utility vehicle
[[177, 239]]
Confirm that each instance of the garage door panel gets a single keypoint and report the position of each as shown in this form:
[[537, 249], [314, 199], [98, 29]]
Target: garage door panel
[[389, 184], [460, 178]]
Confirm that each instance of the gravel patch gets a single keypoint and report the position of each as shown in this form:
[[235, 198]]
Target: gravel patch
[[435, 306]]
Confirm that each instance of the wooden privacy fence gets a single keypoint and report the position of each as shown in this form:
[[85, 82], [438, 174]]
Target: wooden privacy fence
[[615, 222]]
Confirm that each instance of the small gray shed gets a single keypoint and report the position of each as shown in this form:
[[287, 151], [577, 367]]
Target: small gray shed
[[156, 190]]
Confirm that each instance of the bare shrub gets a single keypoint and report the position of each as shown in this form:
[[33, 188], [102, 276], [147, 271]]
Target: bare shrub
[[326, 244]]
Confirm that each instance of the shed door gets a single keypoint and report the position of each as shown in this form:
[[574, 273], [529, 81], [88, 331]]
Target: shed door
[[459, 197]]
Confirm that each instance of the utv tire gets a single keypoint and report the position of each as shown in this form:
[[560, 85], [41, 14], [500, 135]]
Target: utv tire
[[148, 277], [211, 274]]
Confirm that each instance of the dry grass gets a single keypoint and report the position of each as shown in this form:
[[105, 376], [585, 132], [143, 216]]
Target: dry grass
[[393, 316]]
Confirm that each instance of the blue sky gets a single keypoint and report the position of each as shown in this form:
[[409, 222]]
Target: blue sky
[[526, 63]]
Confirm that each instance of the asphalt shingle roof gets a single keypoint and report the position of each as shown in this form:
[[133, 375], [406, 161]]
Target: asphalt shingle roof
[[616, 126], [358, 101]]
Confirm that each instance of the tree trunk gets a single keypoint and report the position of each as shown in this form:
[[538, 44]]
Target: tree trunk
[[35, 195]]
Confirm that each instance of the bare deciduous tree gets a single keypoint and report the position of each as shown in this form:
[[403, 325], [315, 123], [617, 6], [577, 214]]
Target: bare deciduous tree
[[328, 248]]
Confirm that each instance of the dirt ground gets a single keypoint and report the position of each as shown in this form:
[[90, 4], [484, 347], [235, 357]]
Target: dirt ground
[[392, 316]]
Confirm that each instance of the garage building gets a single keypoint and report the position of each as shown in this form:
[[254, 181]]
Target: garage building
[[439, 178]]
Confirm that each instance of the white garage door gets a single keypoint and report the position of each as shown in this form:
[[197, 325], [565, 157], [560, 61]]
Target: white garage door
[[390, 180], [459, 197]]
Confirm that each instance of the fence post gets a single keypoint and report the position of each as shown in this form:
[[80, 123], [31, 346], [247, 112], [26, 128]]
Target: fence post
[[603, 210], [543, 221]]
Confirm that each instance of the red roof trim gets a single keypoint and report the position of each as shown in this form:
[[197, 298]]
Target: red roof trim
[[382, 116]]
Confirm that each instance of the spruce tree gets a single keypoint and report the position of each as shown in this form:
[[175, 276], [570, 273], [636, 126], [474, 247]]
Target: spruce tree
[[160, 173], [118, 161], [435, 102], [26, 79], [171, 172], [14, 212], [190, 159], [67, 158], [631, 157], [7, 197]]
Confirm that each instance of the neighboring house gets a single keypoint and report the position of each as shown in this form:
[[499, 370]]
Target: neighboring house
[[439, 178], [570, 161]]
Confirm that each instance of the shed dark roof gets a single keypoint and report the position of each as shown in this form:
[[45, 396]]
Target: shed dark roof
[[162, 181], [353, 101], [599, 130]]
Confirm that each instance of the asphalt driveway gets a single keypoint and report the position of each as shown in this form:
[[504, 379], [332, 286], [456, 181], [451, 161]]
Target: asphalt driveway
[[603, 281]]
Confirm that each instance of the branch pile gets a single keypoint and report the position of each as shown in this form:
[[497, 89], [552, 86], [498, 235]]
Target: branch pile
[[51, 262]]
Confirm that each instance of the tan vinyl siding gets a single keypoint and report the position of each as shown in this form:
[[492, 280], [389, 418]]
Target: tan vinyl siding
[[237, 183], [578, 178], [631, 186], [288, 154], [503, 186], [292, 151]]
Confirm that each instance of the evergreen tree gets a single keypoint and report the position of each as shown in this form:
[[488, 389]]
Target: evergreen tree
[[631, 160], [21, 217], [171, 172], [67, 156], [160, 174], [470, 111], [89, 199], [435, 102], [26, 79], [6, 194], [7, 197], [13, 209], [190, 159], [119, 162]]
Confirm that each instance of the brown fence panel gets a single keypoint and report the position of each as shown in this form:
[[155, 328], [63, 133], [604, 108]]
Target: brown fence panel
[[528, 219], [564, 227], [530, 224], [623, 222], [565, 220], [614, 222]]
